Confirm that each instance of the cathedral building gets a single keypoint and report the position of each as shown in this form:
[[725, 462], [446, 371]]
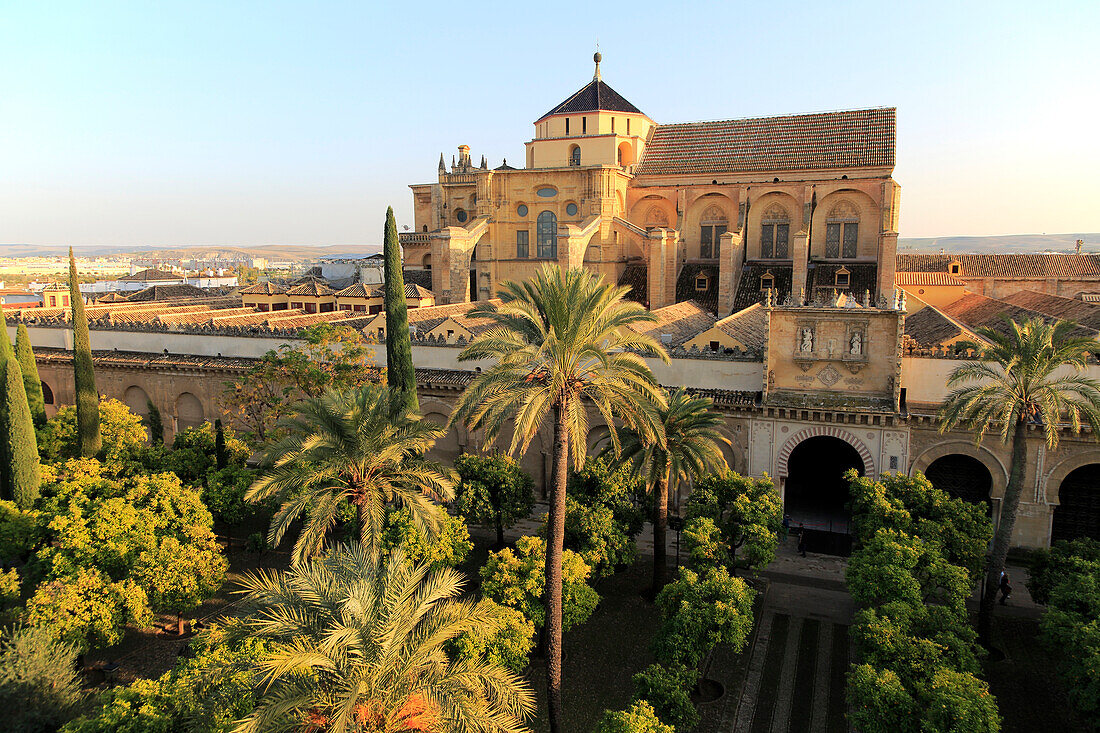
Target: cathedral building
[[715, 212], [766, 250]]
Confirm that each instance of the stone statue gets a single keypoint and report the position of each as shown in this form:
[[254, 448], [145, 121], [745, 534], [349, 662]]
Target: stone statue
[[857, 344], [807, 344]]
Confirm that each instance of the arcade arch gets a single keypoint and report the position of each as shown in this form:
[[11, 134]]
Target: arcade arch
[[189, 412]]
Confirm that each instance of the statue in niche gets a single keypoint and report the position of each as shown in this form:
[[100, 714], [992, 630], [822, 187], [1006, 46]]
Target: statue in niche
[[856, 344], [806, 345]]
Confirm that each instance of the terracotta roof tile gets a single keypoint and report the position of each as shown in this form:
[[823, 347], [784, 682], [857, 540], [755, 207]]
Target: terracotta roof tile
[[1066, 309], [680, 322], [862, 138], [748, 290], [1034, 266], [686, 285], [749, 326], [166, 292], [861, 278], [637, 278], [926, 279], [975, 311], [263, 288], [151, 274]]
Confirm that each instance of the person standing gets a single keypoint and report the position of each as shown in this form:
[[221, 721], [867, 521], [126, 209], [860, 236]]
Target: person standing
[[1005, 587], [801, 540]]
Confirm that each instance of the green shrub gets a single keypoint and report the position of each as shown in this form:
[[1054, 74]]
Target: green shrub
[[517, 579], [639, 718], [39, 688], [666, 689], [508, 645]]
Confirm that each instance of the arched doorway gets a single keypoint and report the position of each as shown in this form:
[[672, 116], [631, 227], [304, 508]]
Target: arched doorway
[[963, 477], [816, 494], [1078, 510]]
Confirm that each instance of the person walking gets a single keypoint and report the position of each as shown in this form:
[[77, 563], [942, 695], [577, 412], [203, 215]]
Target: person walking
[[1005, 587], [786, 526], [801, 540]]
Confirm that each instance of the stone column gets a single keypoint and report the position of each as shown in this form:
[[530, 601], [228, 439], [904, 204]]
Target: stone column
[[729, 271], [800, 256], [887, 261], [662, 268]]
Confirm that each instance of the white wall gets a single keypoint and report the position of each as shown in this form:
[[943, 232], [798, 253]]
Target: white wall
[[925, 380]]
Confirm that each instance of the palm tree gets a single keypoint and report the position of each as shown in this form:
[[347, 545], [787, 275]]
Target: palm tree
[[1021, 379], [693, 434], [358, 643], [560, 341], [362, 446]]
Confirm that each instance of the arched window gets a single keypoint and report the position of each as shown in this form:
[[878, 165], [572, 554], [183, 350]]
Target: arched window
[[775, 229], [575, 155], [47, 394], [547, 235], [842, 231], [712, 226]]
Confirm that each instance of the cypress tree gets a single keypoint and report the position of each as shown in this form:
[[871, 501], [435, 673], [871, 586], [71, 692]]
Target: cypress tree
[[400, 373], [6, 355], [31, 381], [21, 446], [156, 425], [87, 398], [219, 445]]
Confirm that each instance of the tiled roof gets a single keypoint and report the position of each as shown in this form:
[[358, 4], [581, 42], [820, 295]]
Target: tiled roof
[[311, 288], [749, 326], [926, 279], [151, 274], [975, 311], [748, 290], [143, 359], [593, 97], [1066, 309], [862, 138], [685, 285], [861, 278], [416, 292], [637, 277], [358, 290], [263, 288], [166, 292], [680, 322], [1036, 266], [111, 297], [928, 327]]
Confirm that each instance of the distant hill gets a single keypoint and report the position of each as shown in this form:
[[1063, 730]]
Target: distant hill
[[1004, 244], [294, 252]]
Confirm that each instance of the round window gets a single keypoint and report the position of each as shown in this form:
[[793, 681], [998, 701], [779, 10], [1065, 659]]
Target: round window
[[571, 209], [460, 214], [547, 193], [522, 210]]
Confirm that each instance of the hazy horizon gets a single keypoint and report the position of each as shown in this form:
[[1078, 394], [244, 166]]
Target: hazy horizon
[[207, 124]]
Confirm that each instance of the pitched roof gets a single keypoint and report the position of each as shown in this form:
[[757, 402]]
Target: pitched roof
[[1066, 309], [166, 292], [926, 279], [861, 138], [357, 290], [595, 96], [748, 290], [685, 285], [929, 327], [312, 289], [419, 277], [680, 322], [263, 288], [749, 326], [861, 278], [111, 297], [150, 274], [637, 278], [1035, 266], [415, 292], [975, 311]]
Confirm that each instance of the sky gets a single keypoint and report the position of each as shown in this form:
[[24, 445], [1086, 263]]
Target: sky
[[250, 123]]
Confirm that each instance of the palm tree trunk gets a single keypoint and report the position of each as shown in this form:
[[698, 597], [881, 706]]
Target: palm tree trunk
[[555, 539], [660, 527], [1003, 537]]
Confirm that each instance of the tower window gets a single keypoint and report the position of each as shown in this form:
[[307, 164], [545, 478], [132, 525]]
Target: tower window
[[584, 125], [612, 124], [566, 125], [546, 232], [627, 125], [571, 209], [575, 155], [523, 244]]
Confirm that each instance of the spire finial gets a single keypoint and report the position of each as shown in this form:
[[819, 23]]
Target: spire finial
[[597, 57]]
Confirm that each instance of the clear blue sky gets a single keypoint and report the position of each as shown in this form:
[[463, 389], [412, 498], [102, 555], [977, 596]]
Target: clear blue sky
[[297, 123]]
